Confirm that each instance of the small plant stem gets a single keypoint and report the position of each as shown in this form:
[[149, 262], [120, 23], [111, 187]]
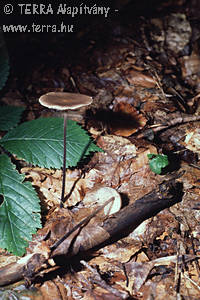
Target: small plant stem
[[64, 160]]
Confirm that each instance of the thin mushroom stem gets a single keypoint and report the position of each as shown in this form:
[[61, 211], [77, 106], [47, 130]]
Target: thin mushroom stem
[[64, 159]]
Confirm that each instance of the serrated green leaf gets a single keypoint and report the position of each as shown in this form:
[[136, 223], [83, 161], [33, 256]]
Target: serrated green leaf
[[4, 62], [40, 142], [20, 210], [10, 116], [157, 162]]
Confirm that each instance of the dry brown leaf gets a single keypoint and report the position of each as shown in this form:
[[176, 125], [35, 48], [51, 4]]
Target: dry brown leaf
[[101, 294], [114, 290], [192, 140], [139, 79], [141, 160], [82, 238], [190, 64], [140, 232], [50, 185], [117, 253], [137, 274], [129, 120], [126, 94], [153, 106], [50, 291], [191, 176], [119, 167], [117, 147]]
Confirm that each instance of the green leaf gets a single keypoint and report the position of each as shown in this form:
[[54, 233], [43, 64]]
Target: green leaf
[[10, 116], [20, 210], [40, 142], [4, 62], [157, 162]]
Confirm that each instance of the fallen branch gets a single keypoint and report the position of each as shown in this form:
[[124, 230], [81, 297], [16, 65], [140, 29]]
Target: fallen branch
[[50, 243], [181, 119]]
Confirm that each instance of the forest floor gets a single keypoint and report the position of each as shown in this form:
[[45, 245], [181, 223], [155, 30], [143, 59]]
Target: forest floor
[[144, 77]]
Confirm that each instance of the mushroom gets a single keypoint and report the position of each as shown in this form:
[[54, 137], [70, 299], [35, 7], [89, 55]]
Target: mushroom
[[99, 195], [64, 102]]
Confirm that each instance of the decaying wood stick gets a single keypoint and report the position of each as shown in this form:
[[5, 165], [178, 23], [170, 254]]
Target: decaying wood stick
[[181, 119], [85, 238]]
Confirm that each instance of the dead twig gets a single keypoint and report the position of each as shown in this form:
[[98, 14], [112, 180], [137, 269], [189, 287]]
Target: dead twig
[[149, 133]]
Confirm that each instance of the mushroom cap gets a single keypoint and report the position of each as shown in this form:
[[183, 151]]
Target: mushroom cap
[[99, 195], [64, 101]]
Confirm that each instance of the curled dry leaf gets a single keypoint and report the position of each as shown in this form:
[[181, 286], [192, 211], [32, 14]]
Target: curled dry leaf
[[82, 239], [129, 120], [99, 195]]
